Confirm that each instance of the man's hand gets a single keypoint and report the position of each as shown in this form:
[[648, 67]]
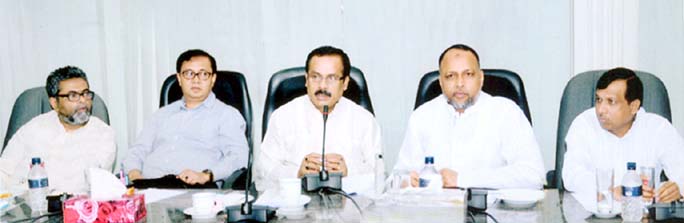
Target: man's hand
[[134, 174], [192, 177], [415, 180], [310, 164], [449, 177], [668, 192], [335, 163]]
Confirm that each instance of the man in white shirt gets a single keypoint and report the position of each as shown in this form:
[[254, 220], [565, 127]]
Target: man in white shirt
[[292, 145], [67, 139], [616, 131], [476, 140]]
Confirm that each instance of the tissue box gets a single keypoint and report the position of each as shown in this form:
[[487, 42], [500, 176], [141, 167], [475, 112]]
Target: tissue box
[[83, 209]]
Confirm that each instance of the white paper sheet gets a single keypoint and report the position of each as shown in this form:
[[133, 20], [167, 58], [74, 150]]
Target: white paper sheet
[[153, 195]]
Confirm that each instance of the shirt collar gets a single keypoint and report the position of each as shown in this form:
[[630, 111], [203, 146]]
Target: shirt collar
[[338, 106], [207, 103], [637, 121]]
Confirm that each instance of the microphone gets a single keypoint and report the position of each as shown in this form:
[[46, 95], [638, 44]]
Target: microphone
[[246, 212], [314, 182], [324, 173]]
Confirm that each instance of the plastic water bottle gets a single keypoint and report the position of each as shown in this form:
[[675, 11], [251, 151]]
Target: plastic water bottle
[[632, 205], [38, 186], [429, 177], [379, 175]]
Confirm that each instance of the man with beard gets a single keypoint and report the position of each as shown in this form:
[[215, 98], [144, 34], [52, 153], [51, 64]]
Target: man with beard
[[292, 145], [477, 140], [67, 139]]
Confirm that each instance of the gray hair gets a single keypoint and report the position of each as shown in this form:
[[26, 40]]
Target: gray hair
[[57, 76]]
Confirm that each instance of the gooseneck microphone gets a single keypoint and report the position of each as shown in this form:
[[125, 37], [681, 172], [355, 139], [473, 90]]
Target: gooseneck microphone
[[324, 172], [313, 182], [323, 182], [246, 212]]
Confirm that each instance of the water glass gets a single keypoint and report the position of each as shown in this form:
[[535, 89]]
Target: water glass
[[649, 174], [604, 190]]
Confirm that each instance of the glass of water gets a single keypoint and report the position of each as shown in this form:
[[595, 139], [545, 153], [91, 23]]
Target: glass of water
[[649, 174], [604, 190]]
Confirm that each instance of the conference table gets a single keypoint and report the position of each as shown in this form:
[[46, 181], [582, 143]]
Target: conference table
[[556, 206]]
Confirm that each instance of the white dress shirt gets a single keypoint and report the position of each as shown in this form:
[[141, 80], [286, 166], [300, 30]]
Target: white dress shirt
[[651, 141], [490, 144], [296, 130], [66, 155]]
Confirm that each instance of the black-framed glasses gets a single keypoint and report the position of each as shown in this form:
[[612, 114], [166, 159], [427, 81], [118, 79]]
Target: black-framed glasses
[[75, 96], [330, 79], [203, 75]]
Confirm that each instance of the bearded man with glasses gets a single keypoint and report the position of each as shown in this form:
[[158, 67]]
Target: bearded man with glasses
[[192, 141], [67, 139]]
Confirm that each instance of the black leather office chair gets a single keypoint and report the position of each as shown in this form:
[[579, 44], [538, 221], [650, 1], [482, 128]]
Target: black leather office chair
[[231, 88], [496, 83], [579, 95], [35, 101], [288, 84]]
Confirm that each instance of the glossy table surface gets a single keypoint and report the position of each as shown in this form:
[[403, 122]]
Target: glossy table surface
[[555, 207]]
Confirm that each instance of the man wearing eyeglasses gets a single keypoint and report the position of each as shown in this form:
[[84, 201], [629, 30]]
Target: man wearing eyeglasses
[[292, 145], [196, 139], [67, 139]]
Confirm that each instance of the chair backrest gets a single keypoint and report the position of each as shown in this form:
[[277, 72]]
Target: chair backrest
[[496, 83], [35, 101], [230, 87], [288, 84], [579, 95]]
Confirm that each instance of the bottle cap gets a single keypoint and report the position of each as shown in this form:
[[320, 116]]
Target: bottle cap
[[429, 160], [631, 165], [35, 160]]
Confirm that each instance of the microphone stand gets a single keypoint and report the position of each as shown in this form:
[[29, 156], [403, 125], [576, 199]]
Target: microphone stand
[[314, 182], [324, 182], [246, 212]]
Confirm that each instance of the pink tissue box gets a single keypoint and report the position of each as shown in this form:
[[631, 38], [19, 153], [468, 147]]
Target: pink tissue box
[[83, 209]]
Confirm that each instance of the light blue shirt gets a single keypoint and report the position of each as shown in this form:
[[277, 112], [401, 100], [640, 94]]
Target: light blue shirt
[[210, 136]]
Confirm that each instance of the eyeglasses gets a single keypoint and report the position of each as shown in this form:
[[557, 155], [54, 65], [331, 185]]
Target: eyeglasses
[[330, 79], [74, 96], [203, 75]]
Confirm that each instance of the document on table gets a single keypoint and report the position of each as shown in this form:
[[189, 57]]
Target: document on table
[[153, 195]]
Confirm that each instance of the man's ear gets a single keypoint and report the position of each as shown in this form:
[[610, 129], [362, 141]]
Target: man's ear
[[346, 83], [178, 79], [53, 103], [634, 106]]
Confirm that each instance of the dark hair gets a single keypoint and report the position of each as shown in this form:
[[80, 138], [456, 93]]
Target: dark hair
[[57, 76], [635, 89], [187, 55], [460, 47], [329, 51]]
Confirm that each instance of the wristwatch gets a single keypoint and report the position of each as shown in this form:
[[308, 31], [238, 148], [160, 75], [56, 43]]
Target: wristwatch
[[211, 174]]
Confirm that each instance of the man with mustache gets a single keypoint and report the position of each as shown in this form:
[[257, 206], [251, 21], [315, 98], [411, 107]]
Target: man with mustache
[[197, 139], [618, 130], [477, 140], [67, 139], [292, 145]]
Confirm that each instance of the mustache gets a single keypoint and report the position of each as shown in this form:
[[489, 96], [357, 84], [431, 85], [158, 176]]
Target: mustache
[[324, 92]]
